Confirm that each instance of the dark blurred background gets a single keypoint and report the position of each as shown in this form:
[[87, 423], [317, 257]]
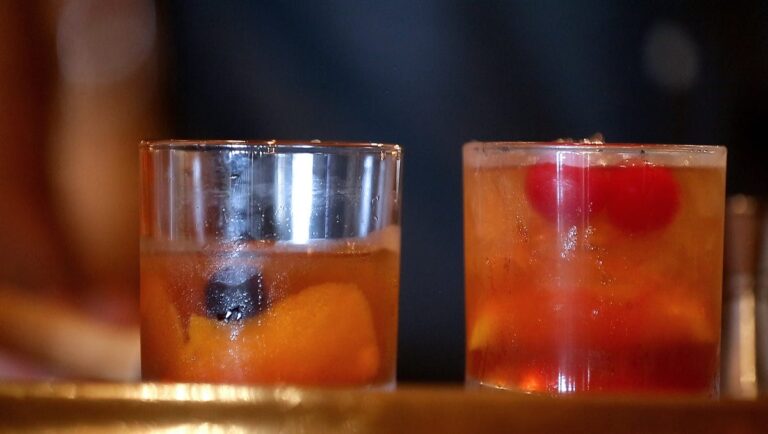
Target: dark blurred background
[[428, 74]]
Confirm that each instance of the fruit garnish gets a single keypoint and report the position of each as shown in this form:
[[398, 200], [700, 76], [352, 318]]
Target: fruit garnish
[[235, 292], [642, 197], [679, 318], [565, 192], [482, 331], [323, 335]]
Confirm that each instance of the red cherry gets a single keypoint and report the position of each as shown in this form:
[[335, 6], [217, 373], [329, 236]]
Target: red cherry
[[563, 192], [642, 197]]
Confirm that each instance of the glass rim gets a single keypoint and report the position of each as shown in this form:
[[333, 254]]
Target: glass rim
[[578, 146], [273, 145]]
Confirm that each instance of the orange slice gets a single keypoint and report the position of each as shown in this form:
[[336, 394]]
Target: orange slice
[[323, 335]]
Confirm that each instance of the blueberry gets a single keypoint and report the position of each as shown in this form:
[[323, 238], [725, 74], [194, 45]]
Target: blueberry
[[234, 293]]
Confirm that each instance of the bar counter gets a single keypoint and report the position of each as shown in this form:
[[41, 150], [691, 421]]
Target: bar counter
[[125, 408]]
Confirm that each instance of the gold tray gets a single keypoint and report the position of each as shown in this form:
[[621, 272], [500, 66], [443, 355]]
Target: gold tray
[[175, 408]]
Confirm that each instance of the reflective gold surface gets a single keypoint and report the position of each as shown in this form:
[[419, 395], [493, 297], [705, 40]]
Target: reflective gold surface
[[175, 408]]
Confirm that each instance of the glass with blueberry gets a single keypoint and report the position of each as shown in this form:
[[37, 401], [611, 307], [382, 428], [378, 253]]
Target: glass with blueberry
[[270, 262], [593, 267]]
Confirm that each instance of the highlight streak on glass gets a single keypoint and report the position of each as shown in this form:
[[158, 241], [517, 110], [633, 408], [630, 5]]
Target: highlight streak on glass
[[198, 192], [280, 190], [365, 197], [301, 197]]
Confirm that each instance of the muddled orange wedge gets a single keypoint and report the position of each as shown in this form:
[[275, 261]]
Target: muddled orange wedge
[[681, 318], [322, 335]]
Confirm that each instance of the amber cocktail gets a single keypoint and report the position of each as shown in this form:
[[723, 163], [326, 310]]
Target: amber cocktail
[[270, 263], [593, 267]]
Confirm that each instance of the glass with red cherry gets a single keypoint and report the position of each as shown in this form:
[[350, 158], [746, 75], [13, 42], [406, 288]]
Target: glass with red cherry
[[593, 267]]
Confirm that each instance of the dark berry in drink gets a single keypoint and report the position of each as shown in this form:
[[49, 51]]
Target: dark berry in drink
[[234, 293], [564, 192]]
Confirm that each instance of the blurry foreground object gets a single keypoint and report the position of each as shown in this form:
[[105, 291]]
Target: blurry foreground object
[[77, 85], [106, 103], [64, 341]]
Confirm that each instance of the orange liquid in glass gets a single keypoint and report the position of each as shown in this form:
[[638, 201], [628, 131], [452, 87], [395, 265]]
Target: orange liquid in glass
[[327, 316], [616, 290]]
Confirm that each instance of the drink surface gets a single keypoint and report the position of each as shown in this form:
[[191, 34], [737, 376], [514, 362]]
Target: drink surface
[[318, 315], [593, 278]]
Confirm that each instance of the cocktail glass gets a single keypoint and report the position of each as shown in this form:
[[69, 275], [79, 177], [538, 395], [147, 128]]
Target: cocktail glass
[[269, 262], [593, 267]]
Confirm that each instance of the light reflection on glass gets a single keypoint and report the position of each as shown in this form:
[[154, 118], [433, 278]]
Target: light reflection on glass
[[559, 157], [301, 197], [365, 197], [199, 211], [281, 187], [565, 384]]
